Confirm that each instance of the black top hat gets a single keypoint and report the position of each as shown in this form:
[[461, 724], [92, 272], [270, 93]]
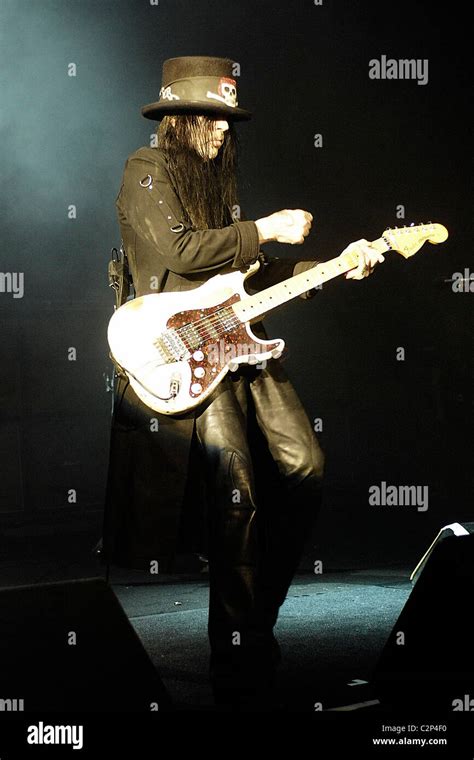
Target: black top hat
[[197, 84]]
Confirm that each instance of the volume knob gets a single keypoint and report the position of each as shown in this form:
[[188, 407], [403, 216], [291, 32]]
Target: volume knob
[[199, 372], [196, 388]]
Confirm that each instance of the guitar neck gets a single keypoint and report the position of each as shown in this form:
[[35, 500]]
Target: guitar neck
[[248, 309]]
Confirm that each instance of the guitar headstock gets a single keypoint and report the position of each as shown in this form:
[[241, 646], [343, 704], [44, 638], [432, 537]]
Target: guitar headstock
[[408, 240]]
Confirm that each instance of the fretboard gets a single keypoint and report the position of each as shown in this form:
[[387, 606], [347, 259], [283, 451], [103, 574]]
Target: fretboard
[[261, 303]]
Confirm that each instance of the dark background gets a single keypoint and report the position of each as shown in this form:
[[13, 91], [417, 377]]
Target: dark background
[[304, 70]]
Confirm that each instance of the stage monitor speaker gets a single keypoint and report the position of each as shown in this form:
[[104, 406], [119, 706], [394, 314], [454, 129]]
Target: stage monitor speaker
[[428, 660], [454, 529], [69, 647]]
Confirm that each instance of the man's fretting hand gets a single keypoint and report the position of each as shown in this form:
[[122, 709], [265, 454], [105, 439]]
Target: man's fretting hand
[[287, 226], [368, 258]]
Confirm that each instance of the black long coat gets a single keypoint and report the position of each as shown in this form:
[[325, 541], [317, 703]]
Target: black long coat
[[150, 486]]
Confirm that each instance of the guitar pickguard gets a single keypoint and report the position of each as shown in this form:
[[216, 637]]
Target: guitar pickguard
[[215, 339]]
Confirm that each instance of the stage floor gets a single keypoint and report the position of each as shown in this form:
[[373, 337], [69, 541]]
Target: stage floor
[[331, 631]]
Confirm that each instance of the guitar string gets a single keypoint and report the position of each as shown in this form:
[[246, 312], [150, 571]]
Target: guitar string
[[330, 266], [216, 318], [212, 319], [215, 323]]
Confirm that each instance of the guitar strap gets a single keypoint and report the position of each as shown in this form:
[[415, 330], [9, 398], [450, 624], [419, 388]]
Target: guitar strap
[[120, 278], [121, 281]]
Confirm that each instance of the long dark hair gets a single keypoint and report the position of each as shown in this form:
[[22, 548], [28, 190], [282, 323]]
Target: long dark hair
[[207, 188]]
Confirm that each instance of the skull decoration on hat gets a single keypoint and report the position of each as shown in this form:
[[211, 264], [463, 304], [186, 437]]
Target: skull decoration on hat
[[197, 84]]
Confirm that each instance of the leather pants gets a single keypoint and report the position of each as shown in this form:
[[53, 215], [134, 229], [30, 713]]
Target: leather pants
[[256, 539]]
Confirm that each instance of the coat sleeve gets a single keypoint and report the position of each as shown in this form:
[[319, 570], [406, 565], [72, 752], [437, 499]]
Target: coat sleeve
[[148, 203]]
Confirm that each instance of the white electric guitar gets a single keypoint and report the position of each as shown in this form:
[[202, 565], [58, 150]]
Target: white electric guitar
[[176, 347]]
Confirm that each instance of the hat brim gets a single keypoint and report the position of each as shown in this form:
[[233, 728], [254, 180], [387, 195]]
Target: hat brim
[[157, 110]]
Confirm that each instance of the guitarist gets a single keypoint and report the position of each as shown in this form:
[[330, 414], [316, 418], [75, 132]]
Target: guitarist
[[174, 481]]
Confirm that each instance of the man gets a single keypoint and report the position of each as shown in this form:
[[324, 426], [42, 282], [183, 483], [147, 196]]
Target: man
[[251, 441]]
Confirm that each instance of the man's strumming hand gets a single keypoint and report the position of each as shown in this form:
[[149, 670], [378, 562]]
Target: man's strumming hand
[[286, 226]]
